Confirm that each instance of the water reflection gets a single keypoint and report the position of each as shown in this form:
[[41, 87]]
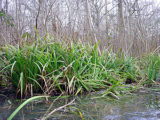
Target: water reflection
[[135, 107]]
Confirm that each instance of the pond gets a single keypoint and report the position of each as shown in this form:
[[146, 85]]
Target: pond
[[138, 106]]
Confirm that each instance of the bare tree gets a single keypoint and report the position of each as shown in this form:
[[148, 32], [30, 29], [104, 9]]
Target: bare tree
[[132, 25], [121, 25], [0, 5]]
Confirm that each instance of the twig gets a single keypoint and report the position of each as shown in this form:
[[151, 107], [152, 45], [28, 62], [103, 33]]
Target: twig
[[70, 103]]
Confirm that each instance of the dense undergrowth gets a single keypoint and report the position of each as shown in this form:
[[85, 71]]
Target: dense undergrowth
[[58, 68]]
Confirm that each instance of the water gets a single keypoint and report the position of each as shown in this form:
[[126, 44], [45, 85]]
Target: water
[[141, 106]]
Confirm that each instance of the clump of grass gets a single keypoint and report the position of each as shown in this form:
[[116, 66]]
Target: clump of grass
[[151, 67], [58, 68]]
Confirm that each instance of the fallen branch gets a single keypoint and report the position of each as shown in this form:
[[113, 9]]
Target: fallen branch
[[57, 109]]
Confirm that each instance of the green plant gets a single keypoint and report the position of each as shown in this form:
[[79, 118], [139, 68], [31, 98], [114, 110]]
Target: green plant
[[23, 104], [54, 68]]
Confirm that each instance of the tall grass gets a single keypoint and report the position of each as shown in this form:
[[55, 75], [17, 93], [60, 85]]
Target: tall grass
[[59, 68], [151, 66]]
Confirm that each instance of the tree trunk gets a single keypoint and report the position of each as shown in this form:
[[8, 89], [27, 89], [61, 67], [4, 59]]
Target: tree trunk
[[90, 24], [39, 8], [121, 26], [106, 10], [0, 5]]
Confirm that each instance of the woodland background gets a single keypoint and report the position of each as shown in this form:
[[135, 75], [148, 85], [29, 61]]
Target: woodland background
[[131, 26]]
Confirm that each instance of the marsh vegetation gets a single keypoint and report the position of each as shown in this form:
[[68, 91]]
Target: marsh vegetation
[[52, 68], [62, 48]]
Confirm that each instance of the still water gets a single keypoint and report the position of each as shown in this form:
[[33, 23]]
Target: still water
[[139, 106]]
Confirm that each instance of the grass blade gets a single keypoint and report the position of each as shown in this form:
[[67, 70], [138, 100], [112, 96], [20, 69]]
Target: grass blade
[[22, 105]]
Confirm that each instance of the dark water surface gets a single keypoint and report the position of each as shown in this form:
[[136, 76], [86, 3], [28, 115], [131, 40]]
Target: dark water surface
[[142, 106]]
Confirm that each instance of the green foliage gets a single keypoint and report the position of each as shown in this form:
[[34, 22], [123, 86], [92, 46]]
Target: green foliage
[[6, 18], [151, 65], [26, 34], [2, 14], [23, 104], [55, 68]]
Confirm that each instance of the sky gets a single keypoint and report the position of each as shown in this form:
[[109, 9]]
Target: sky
[[157, 2]]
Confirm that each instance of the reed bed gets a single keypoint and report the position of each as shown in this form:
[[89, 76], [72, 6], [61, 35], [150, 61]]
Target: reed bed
[[53, 68]]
